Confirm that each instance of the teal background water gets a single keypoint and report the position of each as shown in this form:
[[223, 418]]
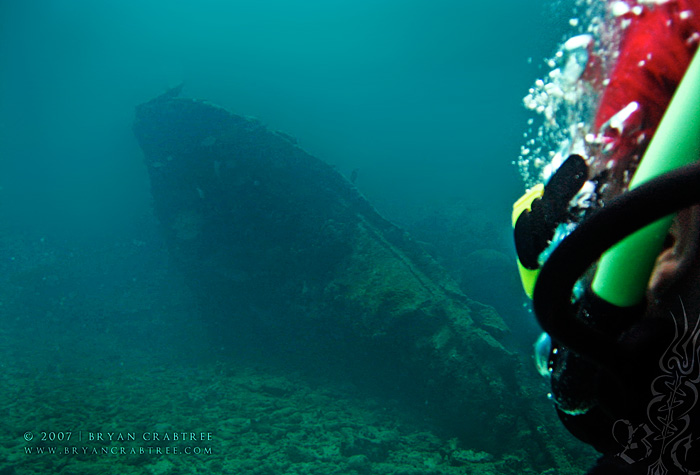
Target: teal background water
[[421, 99]]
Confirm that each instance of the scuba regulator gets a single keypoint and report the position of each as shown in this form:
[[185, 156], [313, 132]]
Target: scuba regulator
[[590, 289]]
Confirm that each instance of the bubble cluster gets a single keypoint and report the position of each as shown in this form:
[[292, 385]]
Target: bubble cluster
[[563, 101]]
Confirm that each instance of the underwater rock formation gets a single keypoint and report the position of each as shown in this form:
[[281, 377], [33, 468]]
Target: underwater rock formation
[[285, 255]]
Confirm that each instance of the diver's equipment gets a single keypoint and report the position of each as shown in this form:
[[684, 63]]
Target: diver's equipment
[[539, 211], [623, 272], [585, 345], [601, 354], [622, 216], [528, 276], [629, 232]]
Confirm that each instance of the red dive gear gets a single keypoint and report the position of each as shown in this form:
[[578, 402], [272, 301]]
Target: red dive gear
[[657, 42], [603, 357]]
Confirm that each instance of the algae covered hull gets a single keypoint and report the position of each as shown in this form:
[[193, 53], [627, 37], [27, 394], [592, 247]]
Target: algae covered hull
[[283, 253]]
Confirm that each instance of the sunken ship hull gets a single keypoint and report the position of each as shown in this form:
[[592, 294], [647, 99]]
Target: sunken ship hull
[[285, 255]]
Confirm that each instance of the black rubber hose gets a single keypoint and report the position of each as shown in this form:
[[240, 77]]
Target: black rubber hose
[[621, 217]]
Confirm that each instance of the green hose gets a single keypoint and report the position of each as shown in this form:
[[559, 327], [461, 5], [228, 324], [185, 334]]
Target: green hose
[[623, 272]]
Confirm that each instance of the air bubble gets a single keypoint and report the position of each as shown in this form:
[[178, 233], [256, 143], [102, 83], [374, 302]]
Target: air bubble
[[619, 8]]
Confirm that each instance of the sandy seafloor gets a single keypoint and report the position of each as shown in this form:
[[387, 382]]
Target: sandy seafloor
[[236, 419], [105, 339], [258, 422]]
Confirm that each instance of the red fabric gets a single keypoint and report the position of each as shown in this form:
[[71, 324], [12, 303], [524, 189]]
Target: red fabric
[[657, 43]]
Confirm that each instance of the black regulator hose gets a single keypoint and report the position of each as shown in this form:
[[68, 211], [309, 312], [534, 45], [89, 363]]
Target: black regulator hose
[[622, 216]]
